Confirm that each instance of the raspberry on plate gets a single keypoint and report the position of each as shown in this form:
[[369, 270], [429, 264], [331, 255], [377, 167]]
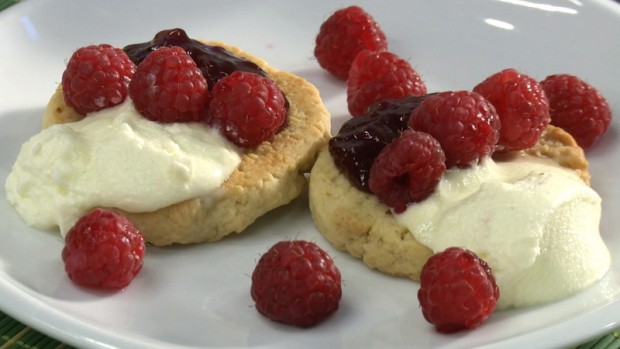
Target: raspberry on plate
[[247, 108], [343, 35], [103, 249], [378, 76], [521, 105], [96, 77], [465, 124], [297, 283], [169, 87], [407, 170], [577, 107], [457, 290]]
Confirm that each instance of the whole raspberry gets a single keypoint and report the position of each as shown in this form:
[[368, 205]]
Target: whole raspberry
[[169, 87], [247, 108], [457, 290], [96, 77], [103, 249], [465, 124], [521, 105], [377, 76], [297, 283], [407, 170], [343, 35], [577, 107]]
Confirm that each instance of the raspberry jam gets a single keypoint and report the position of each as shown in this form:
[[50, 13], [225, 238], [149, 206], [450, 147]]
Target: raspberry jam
[[362, 138], [214, 62]]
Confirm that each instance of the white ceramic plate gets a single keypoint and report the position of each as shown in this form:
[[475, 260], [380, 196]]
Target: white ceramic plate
[[198, 296]]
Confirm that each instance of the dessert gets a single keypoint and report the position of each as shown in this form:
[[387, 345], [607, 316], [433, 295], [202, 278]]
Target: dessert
[[157, 174], [503, 183], [399, 244]]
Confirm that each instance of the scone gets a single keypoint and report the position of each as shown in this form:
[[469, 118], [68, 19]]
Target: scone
[[358, 223], [268, 176]]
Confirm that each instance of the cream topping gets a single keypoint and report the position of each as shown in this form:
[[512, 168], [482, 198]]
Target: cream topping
[[535, 223], [115, 158]]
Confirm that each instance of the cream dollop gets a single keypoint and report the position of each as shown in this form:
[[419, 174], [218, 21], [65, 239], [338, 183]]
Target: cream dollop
[[115, 158], [536, 225]]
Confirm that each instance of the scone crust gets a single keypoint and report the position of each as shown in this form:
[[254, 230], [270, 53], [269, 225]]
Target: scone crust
[[269, 176], [359, 224]]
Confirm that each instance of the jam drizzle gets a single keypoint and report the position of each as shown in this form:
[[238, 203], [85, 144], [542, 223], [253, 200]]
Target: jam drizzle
[[362, 138], [214, 62]]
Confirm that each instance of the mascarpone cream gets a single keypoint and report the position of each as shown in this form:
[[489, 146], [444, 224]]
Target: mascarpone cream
[[115, 158], [536, 225]]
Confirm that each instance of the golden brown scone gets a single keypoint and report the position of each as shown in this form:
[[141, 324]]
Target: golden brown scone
[[561, 147], [268, 176], [359, 224]]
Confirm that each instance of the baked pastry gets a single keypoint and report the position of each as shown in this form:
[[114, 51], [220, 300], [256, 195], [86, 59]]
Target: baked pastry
[[358, 223], [268, 176]]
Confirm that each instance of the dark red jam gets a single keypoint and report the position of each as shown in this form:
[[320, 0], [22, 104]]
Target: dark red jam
[[362, 138], [214, 62]]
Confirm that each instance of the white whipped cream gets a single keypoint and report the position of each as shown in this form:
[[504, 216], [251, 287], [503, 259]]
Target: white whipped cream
[[535, 224], [115, 158]]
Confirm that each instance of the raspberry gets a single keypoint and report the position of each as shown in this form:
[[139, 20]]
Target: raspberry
[[247, 108], [521, 105], [465, 124], [103, 249], [377, 76], [96, 77], [457, 290], [577, 107], [297, 283], [169, 87], [343, 35], [407, 170]]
